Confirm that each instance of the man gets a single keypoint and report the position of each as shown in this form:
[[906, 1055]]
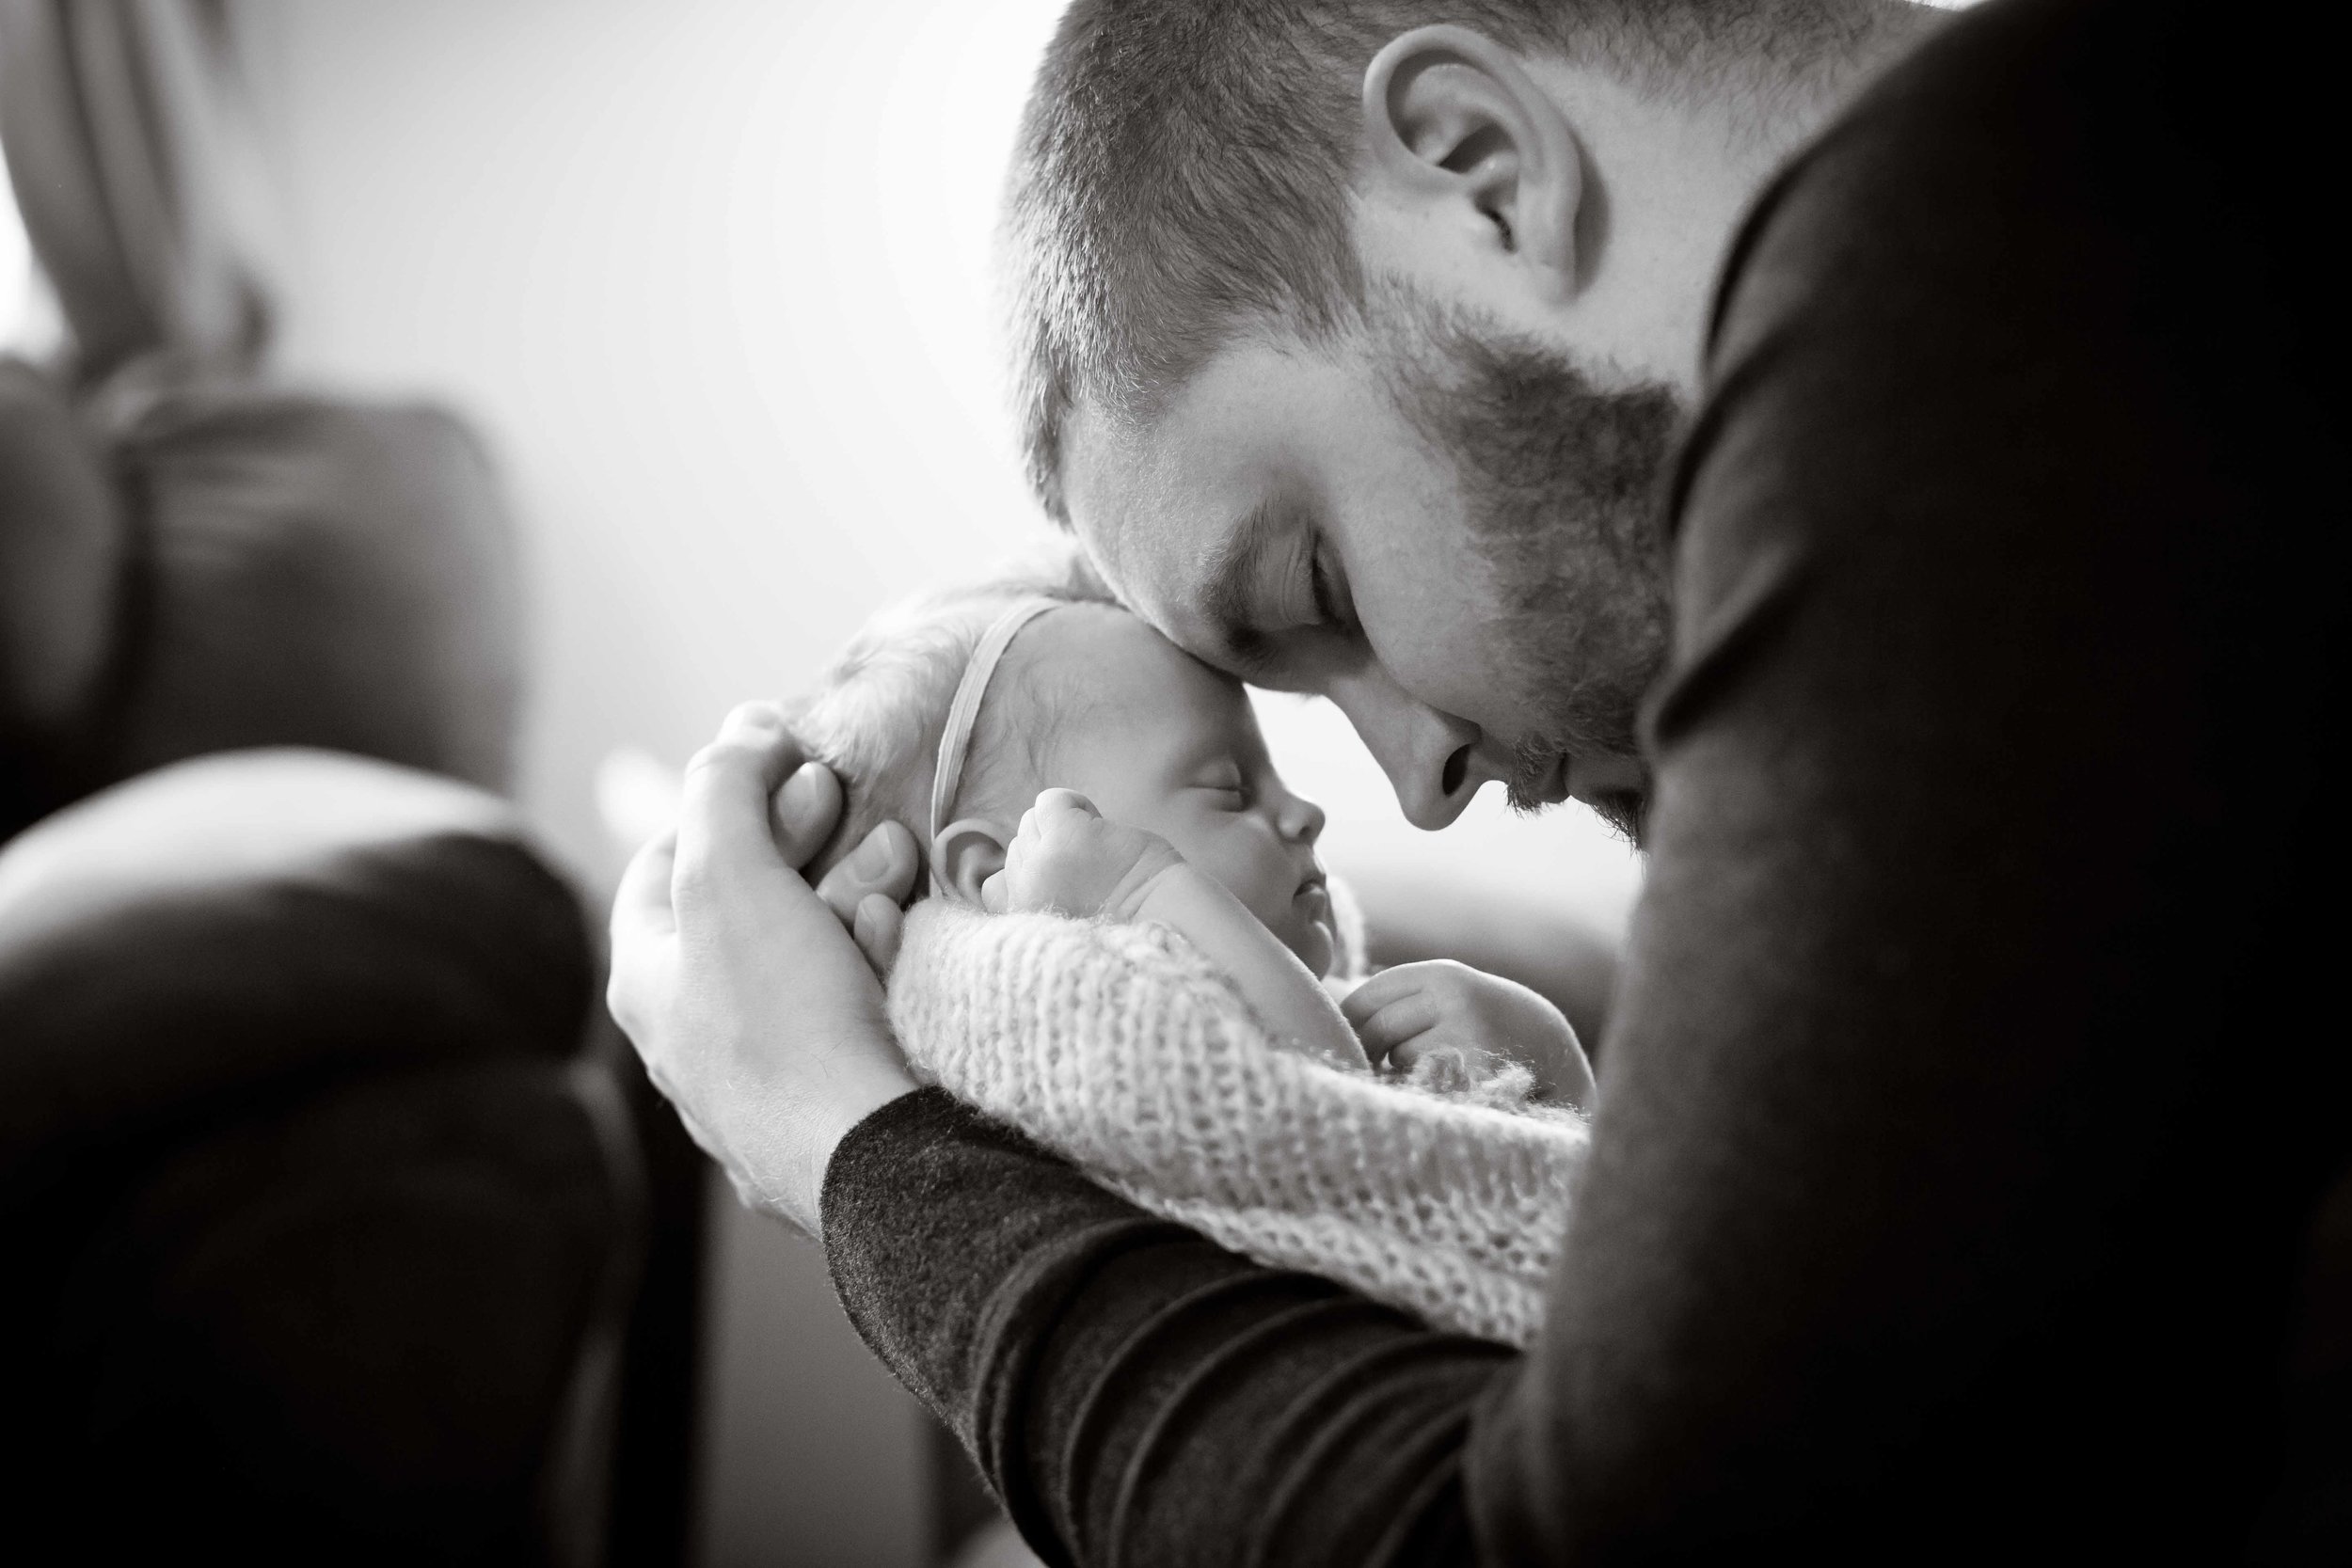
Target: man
[[1964, 1121]]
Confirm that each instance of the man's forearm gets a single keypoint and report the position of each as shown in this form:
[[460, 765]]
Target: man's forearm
[[1135, 1394]]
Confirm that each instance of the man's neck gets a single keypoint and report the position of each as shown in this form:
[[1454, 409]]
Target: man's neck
[[1669, 177]]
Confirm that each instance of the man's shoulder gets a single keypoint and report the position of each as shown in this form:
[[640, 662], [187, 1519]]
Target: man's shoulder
[[2013, 88], [2027, 133]]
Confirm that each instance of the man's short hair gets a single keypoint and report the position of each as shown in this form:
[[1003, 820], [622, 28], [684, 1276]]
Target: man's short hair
[[1182, 167]]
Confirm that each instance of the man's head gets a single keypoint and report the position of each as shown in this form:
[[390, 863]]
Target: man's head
[[1353, 334]]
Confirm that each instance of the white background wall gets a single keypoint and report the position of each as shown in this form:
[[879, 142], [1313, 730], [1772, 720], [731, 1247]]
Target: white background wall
[[712, 275]]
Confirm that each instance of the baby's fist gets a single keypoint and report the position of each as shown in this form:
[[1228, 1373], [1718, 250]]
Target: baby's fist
[[1069, 859], [1403, 1014]]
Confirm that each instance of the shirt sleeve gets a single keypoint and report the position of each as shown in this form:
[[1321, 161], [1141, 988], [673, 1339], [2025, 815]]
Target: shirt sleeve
[[1921, 1216], [1135, 1394]]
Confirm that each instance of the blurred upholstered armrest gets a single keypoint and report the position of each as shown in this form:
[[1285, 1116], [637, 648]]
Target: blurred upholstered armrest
[[323, 1238], [248, 921]]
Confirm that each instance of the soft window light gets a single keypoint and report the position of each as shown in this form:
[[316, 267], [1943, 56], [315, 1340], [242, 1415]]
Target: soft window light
[[28, 316]]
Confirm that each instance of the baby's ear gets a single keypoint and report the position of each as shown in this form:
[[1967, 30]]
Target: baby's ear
[[965, 855]]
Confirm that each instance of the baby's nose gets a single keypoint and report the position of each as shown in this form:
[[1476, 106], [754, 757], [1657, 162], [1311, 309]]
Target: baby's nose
[[1302, 820]]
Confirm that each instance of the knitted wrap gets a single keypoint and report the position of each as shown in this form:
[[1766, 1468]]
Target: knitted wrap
[[1121, 1048]]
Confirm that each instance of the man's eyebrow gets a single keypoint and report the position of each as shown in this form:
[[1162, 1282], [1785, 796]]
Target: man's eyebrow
[[1228, 597]]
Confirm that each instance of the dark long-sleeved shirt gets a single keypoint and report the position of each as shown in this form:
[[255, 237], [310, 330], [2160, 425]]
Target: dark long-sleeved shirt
[[1975, 1071]]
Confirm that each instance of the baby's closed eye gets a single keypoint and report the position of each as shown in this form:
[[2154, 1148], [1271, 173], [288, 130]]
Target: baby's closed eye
[[1227, 782]]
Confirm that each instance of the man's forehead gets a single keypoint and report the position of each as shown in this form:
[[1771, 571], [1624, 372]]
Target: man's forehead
[[1181, 511], [1145, 506]]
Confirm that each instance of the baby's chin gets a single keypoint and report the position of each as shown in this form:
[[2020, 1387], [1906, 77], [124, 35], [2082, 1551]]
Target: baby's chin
[[1310, 937]]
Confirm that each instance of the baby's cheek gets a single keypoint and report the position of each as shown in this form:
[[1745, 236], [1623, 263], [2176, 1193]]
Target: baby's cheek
[[1275, 906], [1207, 852], [1266, 886], [1245, 880]]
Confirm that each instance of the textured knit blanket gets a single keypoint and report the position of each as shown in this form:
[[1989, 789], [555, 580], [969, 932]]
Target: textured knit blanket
[[1121, 1048]]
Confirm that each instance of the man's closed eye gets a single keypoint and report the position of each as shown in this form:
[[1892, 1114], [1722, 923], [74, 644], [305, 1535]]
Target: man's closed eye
[[1335, 605]]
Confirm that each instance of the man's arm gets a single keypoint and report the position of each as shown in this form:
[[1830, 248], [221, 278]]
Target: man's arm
[[755, 1011], [1134, 1393], [1927, 1213], [1920, 1222]]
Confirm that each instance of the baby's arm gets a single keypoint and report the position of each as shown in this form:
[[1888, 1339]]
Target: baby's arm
[[1405, 1013], [1067, 859]]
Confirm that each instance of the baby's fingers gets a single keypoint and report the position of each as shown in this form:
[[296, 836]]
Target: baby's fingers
[[1389, 1029], [1051, 803], [1389, 984], [1408, 1056]]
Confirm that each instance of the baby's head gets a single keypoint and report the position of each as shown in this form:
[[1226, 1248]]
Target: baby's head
[[1086, 697]]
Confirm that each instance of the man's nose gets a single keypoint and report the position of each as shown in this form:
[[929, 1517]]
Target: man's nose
[[1431, 757]]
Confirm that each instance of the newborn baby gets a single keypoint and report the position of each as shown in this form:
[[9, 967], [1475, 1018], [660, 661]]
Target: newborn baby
[[1125, 931]]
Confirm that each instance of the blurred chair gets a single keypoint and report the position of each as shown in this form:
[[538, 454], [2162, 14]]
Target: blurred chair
[[330, 1219], [334, 1198]]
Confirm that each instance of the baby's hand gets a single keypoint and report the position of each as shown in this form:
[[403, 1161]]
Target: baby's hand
[[1069, 859], [1403, 1014]]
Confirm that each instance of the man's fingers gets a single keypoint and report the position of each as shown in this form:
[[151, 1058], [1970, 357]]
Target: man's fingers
[[878, 926], [641, 907], [723, 820], [762, 724], [644, 932], [802, 812], [886, 864]]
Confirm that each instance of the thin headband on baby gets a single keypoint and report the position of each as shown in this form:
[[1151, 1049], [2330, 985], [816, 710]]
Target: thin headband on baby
[[964, 712]]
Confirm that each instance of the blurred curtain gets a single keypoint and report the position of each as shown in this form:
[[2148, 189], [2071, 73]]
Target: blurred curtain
[[122, 126]]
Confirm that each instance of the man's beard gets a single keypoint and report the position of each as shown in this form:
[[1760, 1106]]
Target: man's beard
[[1561, 481]]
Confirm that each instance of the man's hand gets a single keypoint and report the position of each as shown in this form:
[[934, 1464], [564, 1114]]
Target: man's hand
[[1069, 858], [1403, 1014], [755, 1011]]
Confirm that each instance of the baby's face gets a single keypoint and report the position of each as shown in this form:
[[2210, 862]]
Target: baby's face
[[1161, 741]]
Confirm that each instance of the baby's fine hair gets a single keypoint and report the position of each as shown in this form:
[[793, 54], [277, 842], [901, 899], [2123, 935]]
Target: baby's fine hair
[[876, 715]]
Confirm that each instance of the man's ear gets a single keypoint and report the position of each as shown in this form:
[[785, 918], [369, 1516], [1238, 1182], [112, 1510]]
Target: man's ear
[[965, 855], [1457, 128]]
